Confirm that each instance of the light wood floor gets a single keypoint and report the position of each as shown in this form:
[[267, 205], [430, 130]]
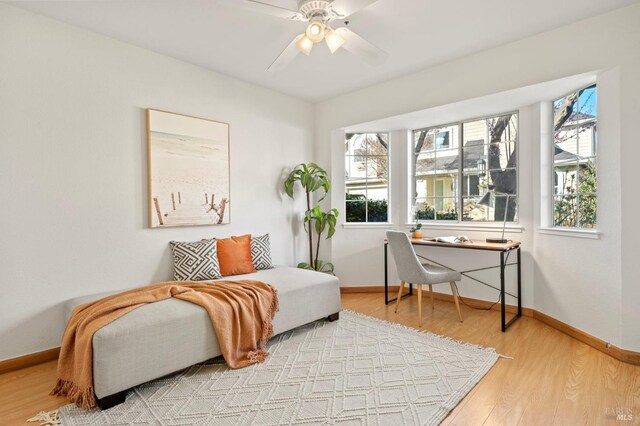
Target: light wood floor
[[552, 380]]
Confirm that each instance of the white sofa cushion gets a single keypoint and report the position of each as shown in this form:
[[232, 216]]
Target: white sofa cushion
[[160, 338]]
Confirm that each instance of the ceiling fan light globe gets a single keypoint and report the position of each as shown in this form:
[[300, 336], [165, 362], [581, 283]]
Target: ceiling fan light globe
[[304, 44], [333, 39], [315, 32]]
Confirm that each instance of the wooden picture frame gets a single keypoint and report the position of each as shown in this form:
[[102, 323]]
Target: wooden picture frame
[[188, 170]]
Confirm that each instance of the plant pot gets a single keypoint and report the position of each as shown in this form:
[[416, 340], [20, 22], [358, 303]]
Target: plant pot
[[416, 235]]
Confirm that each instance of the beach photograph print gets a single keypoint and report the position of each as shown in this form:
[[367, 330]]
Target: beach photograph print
[[188, 170]]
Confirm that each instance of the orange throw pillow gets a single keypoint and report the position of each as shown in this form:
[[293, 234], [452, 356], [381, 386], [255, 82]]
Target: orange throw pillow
[[234, 256]]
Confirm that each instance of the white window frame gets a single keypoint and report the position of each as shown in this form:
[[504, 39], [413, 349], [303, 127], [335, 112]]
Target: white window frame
[[460, 223], [578, 230], [367, 223]]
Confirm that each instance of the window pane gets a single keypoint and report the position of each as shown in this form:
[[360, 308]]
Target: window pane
[[505, 181], [474, 212], [503, 128], [474, 133], [566, 211], [356, 187], [564, 108], [587, 207], [471, 185], [566, 147], [447, 161], [377, 209], [588, 101], [355, 167], [446, 208], [566, 178], [377, 144], [588, 176], [504, 206], [586, 122], [424, 209], [377, 167], [446, 138], [425, 163], [424, 141], [501, 155], [355, 209], [475, 154], [587, 137]]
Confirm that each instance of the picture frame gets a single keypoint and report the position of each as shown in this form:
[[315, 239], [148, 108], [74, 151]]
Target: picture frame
[[188, 170]]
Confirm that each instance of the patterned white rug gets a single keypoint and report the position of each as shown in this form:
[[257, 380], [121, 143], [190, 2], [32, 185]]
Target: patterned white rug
[[355, 371]]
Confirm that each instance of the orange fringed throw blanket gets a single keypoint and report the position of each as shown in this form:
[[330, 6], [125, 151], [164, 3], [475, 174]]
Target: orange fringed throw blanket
[[241, 313]]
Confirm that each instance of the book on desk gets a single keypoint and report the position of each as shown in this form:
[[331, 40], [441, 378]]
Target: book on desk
[[451, 240]]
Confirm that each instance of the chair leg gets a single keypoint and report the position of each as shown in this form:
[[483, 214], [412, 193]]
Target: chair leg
[[431, 294], [455, 299], [420, 305], [399, 296]]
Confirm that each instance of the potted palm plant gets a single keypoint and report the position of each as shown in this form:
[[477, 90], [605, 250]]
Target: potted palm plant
[[314, 178]]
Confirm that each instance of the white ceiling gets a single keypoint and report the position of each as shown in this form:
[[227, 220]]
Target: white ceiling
[[241, 43]]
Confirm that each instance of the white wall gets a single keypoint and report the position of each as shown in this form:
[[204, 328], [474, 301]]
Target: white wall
[[73, 172], [596, 291]]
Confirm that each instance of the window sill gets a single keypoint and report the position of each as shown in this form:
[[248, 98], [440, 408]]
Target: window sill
[[571, 232], [485, 227], [368, 225]]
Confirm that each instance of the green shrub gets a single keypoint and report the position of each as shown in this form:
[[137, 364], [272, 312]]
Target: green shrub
[[357, 209]]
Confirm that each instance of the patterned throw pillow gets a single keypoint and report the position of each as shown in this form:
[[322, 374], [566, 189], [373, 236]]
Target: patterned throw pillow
[[261, 252], [196, 261]]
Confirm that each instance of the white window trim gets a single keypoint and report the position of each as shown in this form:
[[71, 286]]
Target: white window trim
[[470, 226], [593, 234], [367, 225], [389, 171]]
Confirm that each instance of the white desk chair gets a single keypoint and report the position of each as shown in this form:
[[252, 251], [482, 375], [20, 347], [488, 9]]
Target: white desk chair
[[410, 270]]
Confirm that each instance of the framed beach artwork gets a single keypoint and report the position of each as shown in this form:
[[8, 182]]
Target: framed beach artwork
[[188, 170]]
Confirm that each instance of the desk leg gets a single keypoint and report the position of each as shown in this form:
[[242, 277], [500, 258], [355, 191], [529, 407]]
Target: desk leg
[[386, 278], [519, 282], [502, 295]]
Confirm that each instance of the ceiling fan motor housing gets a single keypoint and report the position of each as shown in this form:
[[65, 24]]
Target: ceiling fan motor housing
[[316, 10]]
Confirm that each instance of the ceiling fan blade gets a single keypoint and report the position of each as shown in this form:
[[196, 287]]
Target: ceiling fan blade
[[287, 55], [269, 9], [360, 47], [344, 8]]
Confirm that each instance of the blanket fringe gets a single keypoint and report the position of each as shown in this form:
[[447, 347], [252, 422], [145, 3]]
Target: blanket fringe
[[83, 398], [267, 324], [257, 356], [45, 418]]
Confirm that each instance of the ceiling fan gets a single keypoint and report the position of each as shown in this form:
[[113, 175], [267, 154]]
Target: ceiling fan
[[319, 14]]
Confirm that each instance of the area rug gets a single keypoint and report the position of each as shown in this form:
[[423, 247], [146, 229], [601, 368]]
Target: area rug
[[355, 371]]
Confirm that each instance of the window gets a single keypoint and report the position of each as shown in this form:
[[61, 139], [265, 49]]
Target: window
[[454, 166], [575, 143], [367, 177]]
